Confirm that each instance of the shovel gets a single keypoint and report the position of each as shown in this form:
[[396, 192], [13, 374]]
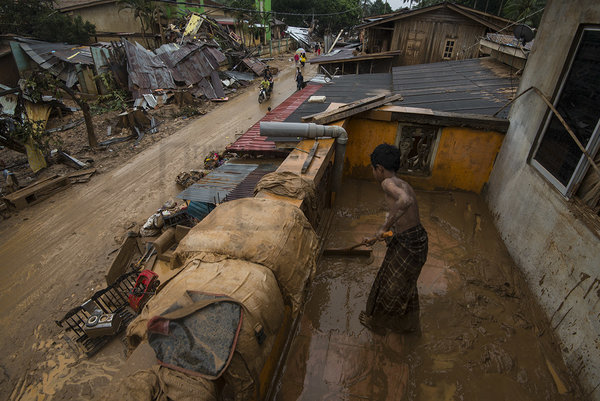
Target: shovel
[[352, 251]]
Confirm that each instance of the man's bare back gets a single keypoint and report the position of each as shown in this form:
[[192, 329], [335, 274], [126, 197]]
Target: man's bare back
[[401, 204]]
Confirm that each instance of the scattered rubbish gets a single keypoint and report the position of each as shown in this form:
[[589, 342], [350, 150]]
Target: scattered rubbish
[[117, 140], [122, 261], [255, 65], [239, 76], [145, 286], [62, 157], [101, 324], [110, 300], [65, 127], [12, 184], [81, 176], [214, 160], [187, 178], [153, 225], [37, 192]]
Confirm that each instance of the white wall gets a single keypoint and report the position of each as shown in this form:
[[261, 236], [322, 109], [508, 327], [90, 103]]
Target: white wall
[[555, 250]]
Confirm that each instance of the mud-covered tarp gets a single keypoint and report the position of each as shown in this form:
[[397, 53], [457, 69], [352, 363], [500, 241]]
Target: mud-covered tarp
[[252, 285], [162, 384], [272, 233]]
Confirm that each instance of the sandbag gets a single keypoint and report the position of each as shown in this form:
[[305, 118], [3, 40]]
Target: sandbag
[[252, 285], [272, 233], [162, 384]]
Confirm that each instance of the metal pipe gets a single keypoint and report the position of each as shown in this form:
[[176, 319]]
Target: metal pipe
[[313, 131]]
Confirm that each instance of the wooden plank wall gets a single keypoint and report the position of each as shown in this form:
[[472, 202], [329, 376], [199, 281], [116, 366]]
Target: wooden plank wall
[[423, 37]]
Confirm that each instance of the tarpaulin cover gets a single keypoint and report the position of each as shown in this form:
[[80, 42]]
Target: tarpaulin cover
[[163, 384], [251, 284], [272, 233], [200, 340]]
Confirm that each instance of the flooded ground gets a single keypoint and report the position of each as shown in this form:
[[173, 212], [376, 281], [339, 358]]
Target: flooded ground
[[483, 336]]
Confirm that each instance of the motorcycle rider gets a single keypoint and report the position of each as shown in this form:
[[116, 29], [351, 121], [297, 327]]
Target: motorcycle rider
[[269, 78]]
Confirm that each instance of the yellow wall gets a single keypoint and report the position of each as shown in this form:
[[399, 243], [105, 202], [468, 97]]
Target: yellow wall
[[463, 161], [363, 137]]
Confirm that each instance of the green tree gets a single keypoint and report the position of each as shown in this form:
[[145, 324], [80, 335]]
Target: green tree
[[344, 14], [147, 12], [37, 18], [525, 10], [378, 7]]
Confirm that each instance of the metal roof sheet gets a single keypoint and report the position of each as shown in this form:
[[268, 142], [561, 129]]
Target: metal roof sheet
[[48, 54], [194, 64], [217, 184], [252, 141], [475, 86], [245, 189], [146, 70]]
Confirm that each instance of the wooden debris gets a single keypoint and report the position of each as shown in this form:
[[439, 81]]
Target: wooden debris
[[37, 192], [350, 109]]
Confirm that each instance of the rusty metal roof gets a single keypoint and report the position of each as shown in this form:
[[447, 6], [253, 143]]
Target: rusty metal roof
[[245, 189], [251, 141], [48, 54], [146, 70], [194, 64], [257, 66], [217, 184]]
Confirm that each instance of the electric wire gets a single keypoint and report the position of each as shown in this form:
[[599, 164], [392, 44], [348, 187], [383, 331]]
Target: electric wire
[[229, 8]]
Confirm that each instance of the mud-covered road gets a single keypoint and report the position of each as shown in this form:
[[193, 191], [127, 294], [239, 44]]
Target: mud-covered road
[[54, 255]]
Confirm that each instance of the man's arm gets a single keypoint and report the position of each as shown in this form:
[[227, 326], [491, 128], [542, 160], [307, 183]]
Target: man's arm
[[402, 202]]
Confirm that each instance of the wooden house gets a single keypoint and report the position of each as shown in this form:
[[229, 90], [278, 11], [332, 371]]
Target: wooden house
[[441, 32]]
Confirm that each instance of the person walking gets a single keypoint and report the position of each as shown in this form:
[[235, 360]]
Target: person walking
[[299, 79]]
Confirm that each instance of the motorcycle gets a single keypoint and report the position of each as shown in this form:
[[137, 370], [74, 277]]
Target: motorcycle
[[265, 94]]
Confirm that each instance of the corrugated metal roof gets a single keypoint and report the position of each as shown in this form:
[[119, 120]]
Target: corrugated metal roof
[[475, 86], [194, 64], [217, 184], [48, 54], [345, 89], [257, 66], [251, 141], [147, 72], [508, 40], [299, 34], [245, 189]]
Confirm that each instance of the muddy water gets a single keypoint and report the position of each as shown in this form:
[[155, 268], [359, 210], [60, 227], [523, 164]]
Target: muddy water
[[483, 336]]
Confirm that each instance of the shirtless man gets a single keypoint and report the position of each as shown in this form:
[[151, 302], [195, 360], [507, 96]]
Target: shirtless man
[[394, 300]]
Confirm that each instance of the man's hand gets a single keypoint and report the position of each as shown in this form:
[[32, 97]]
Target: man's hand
[[381, 235]]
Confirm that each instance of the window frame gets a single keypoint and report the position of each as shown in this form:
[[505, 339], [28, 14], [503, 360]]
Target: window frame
[[447, 55], [593, 144], [433, 150]]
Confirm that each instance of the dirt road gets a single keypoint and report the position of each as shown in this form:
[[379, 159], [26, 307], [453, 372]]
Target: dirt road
[[54, 254]]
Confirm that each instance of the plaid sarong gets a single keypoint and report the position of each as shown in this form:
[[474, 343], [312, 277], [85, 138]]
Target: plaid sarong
[[394, 292]]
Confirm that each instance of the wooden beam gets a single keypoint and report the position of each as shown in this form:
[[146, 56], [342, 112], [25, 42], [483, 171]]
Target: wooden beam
[[342, 108], [438, 118], [353, 109]]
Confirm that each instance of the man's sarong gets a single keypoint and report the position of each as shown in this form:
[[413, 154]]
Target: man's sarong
[[394, 292]]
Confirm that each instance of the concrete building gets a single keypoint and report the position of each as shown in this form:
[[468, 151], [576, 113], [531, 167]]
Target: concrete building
[[544, 191]]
